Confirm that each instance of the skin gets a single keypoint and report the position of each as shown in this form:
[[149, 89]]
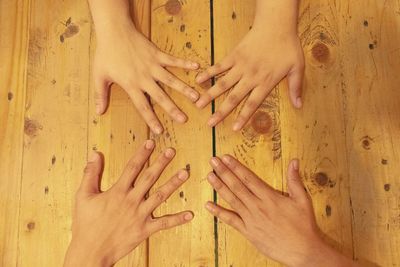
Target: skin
[[108, 225], [125, 57], [281, 227], [265, 56]]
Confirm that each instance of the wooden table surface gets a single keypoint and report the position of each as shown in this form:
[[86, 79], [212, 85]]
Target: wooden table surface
[[347, 135]]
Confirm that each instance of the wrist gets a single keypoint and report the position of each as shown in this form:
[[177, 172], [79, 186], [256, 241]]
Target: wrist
[[79, 254], [320, 254]]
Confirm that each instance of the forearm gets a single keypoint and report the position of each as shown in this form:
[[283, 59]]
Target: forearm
[[280, 14], [110, 15]]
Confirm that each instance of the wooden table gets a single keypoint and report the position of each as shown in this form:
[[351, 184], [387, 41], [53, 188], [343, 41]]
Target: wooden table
[[347, 135]]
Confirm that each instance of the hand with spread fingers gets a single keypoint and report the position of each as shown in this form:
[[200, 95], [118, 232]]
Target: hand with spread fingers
[[265, 56], [281, 227], [108, 225], [125, 57]]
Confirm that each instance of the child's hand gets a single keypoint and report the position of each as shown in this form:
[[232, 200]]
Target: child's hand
[[108, 225], [269, 52], [125, 57], [281, 227]]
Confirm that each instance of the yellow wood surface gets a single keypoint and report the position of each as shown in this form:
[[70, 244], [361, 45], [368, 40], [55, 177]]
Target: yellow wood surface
[[347, 136]]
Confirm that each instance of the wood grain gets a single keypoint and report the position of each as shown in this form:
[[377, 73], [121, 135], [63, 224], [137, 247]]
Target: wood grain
[[182, 28], [13, 52], [371, 62]]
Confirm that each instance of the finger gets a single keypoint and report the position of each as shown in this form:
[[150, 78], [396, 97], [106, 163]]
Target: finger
[[214, 70], [233, 100], [166, 103], [226, 194], [223, 84], [252, 103], [168, 60], [92, 173], [233, 183], [227, 216], [151, 174], [169, 221], [171, 81], [295, 186], [146, 111], [101, 94], [135, 165], [257, 186], [295, 82], [165, 191]]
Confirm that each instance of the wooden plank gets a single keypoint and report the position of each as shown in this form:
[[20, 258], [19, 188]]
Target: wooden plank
[[55, 137], [182, 28], [119, 132], [258, 145], [371, 67], [316, 134], [13, 52]]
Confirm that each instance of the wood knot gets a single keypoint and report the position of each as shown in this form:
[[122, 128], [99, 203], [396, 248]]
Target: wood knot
[[30, 226], [366, 142], [320, 52], [321, 178], [70, 30], [173, 7], [31, 127], [386, 187], [328, 210], [261, 122], [10, 96]]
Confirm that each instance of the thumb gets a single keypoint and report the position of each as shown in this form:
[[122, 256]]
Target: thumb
[[295, 186], [295, 82], [101, 94], [91, 175]]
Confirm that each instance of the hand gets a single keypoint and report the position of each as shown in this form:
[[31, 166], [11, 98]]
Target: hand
[[125, 57], [269, 52], [108, 225], [281, 227]]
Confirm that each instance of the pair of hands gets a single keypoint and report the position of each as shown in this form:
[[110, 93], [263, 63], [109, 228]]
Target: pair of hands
[[108, 225], [252, 70]]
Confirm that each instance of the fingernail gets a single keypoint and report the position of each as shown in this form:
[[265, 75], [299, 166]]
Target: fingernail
[[98, 109], [183, 175], [199, 78], [149, 144], [296, 164], [194, 96], [93, 156], [180, 117], [211, 177], [226, 159], [214, 162], [158, 129], [236, 126], [209, 206], [212, 121], [188, 216], [169, 153], [201, 103], [194, 65], [299, 102]]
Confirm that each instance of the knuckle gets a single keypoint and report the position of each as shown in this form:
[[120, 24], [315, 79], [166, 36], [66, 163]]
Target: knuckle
[[251, 104], [222, 85], [233, 99], [246, 180], [164, 223], [159, 195]]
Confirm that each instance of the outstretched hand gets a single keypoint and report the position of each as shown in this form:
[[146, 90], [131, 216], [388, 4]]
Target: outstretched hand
[[281, 227], [108, 225]]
